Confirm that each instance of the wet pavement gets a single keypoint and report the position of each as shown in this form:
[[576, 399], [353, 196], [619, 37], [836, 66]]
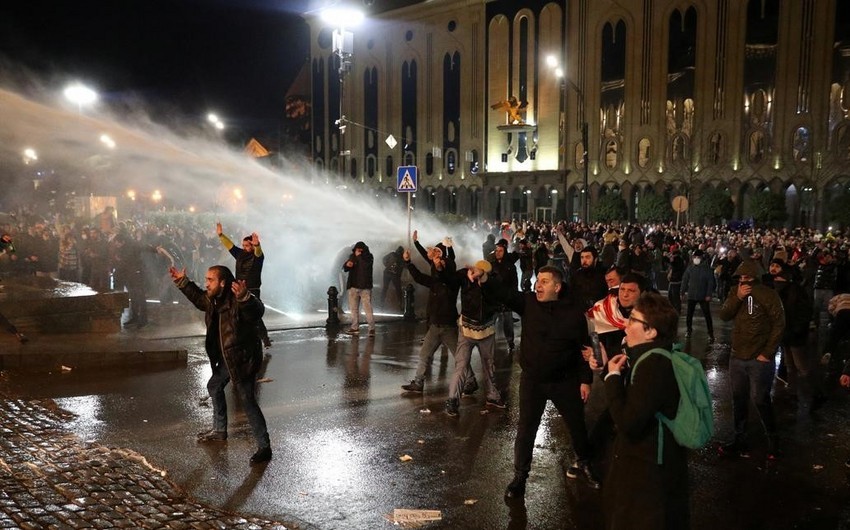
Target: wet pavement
[[340, 424]]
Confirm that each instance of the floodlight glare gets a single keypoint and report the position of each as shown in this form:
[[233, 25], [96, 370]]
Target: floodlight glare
[[340, 17]]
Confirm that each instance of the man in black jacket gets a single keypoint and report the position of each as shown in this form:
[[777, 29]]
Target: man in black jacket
[[442, 320], [359, 286], [504, 268], [554, 330], [249, 267], [233, 348]]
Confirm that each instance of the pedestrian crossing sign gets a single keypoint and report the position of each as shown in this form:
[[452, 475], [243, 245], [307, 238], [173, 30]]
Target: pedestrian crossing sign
[[407, 179]]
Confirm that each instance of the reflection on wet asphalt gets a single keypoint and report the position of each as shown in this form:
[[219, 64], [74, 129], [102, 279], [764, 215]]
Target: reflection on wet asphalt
[[339, 424]]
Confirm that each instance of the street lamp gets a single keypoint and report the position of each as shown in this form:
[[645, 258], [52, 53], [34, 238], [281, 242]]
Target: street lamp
[[80, 95], [553, 63], [215, 121], [343, 46]]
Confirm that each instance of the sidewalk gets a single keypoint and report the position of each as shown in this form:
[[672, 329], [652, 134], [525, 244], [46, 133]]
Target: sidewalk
[[50, 479]]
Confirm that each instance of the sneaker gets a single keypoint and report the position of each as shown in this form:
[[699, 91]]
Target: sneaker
[[736, 448], [583, 468], [353, 331], [263, 454], [452, 407], [413, 386], [372, 332], [470, 388], [212, 436], [516, 489], [498, 403]]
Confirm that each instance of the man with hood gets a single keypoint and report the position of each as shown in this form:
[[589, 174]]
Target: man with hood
[[698, 286], [359, 286], [393, 267], [798, 310], [758, 324]]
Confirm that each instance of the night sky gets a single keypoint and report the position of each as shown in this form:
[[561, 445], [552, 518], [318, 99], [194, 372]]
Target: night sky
[[237, 57]]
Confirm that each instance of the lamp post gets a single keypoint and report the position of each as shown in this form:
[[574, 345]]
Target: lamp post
[[552, 61], [80, 95], [343, 47]]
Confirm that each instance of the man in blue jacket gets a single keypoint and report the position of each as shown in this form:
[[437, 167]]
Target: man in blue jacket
[[698, 285]]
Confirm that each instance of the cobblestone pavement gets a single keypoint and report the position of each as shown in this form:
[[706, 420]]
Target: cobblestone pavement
[[49, 479]]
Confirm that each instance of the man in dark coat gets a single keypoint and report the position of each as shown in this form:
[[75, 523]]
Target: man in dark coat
[[233, 347], [798, 311], [587, 284], [393, 267], [639, 492], [442, 317], [249, 267], [504, 268], [698, 287], [359, 286], [553, 332]]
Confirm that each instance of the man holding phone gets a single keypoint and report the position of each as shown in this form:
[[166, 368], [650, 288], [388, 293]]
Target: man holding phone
[[758, 325]]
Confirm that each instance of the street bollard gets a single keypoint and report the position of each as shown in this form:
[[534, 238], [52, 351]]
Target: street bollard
[[333, 307], [409, 315]]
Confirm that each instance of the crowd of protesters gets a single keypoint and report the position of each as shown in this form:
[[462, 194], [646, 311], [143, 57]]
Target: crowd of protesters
[[107, 254]]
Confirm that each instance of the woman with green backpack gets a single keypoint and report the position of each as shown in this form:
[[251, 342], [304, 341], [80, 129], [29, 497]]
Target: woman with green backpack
[[647, 482]]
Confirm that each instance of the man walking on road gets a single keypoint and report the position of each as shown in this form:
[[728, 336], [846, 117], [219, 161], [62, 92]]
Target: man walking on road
[[249, 267], [233, 348]]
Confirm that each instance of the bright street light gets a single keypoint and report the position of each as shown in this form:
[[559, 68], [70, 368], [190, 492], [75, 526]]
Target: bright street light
[[80, 95], [340, 17], [107, 141], [30, 155], [215, 121], [156, 196]]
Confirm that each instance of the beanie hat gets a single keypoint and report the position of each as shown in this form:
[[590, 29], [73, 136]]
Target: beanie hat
[[484, 265], [502, 243]]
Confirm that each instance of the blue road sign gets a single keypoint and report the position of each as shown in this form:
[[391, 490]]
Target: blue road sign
[[407, 179]]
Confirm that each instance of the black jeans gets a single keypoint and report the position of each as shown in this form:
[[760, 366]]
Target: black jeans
[[706, 312], [533, 395]]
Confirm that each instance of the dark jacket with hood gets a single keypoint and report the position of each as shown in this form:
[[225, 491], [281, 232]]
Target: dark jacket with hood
[[360, 273], [758, 328], [231, 329]]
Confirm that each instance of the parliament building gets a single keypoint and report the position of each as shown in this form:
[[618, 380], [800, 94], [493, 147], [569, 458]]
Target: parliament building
[[536, 109]]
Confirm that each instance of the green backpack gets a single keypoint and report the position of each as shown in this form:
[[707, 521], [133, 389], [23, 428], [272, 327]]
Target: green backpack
[[693, 425]]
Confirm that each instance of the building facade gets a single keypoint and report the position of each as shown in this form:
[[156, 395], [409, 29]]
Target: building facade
[[494, 101]]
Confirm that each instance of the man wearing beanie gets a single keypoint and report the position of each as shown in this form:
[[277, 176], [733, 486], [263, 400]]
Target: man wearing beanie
[[477, 328], [359, 286]]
